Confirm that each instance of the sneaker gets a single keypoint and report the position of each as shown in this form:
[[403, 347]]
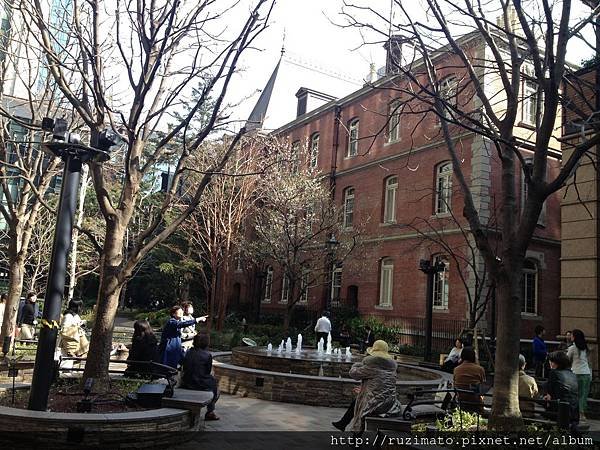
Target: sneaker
[[211, 416], [339, 425]]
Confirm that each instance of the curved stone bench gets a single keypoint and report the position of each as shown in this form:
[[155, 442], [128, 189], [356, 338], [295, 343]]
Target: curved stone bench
[[307, 389], [21, 428]]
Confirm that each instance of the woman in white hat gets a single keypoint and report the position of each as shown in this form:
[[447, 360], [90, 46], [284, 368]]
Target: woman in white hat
[[377, 395]]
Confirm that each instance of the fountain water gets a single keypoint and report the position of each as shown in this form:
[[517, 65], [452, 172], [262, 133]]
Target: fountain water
[[288, 345], [320, 346], [280, 348], [328, 351], [299, 344], [269, 348]]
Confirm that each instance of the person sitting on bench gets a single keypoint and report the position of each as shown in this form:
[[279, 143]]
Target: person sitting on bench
[[144, 347], [467, 375], [562, 385], [377, 392], [527, 389], [453, 357], [197, 367]]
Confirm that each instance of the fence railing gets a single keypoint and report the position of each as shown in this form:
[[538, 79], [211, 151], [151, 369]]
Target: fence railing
[[410, 331]]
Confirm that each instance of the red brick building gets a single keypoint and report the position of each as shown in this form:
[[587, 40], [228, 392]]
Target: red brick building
[[390, 170]]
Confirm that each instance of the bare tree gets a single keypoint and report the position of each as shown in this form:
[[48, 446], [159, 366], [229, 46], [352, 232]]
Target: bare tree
[[137, 66], [26, 172], [496, 67], [295, 218]]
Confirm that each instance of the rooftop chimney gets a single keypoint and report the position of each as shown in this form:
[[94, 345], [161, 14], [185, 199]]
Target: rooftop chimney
[[393, 48]]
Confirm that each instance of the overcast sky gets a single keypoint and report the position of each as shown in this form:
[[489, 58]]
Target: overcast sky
[[312, 40]]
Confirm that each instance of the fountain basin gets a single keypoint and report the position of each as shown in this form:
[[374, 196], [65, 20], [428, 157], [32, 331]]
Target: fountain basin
[[250, 372]]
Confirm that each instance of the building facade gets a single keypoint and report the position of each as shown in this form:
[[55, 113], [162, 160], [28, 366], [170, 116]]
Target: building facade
[[391, 174]]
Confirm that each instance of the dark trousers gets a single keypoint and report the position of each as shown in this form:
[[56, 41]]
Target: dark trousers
[[348, 415], [322, 335]]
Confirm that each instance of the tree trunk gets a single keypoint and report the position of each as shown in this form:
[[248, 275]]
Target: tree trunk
[[505, 405], [106, 306], [15, 287], [223, 298], [288, 318]]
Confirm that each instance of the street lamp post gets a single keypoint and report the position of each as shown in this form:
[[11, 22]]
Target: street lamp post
[[330, 245], [430, 270], [68, 147]]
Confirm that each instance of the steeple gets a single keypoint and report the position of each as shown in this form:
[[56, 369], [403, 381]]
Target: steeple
[[257, 116]]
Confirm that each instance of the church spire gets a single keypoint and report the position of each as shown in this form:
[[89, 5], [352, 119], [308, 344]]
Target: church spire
[[257, 116]]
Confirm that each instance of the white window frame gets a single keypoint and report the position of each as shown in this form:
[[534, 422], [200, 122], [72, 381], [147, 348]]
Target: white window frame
[[441, 284], [394, 122], [268, 285], [530, 95], [386, 282], [353, 127], [443, 188], [285, 289], [349, 199], [390, 198], [529, 276], [314, 150], [448, 92], [336, 282]]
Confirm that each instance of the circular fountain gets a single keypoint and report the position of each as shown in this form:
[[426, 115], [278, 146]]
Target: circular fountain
[[311, 377]]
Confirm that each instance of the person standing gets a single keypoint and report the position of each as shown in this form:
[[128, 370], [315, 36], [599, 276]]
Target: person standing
[[3, 299], [566, 342], [578, 355], [171, 351], [29, 312], [188, 333], [323, 327], [540, 351], [73, 341]]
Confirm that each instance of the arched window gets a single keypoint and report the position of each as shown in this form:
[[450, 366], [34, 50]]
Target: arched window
[[394, 121], [441, 287], [314, 150], [389, 201], [268, 284], [529, 287], [443, 188], [348, 207], [352, 138], [386, 282]]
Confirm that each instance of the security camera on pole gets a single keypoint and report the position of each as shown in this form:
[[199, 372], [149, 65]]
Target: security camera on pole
[[69, 148]]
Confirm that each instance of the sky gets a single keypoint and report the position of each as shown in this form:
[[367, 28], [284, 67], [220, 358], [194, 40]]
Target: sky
[[331, 52]]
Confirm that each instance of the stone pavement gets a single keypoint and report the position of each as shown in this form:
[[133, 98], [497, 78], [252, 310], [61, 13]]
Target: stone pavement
[[250, 414]]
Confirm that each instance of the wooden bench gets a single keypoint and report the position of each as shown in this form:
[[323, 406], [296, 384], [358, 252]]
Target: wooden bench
[[189, 400]]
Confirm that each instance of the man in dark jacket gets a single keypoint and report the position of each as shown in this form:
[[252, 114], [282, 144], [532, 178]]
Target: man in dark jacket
[[540, 351], [27, 315], [562, 385], [197, 367]]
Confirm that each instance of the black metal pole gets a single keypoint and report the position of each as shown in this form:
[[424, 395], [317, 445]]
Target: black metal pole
[[429, 314], [44, 359]]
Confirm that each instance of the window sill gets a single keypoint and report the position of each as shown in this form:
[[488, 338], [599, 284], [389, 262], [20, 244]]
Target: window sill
[[440, 309], [388, 224], [388, 143], [350, 157], [384, 307], [527, 125], [347, 228], [531, 316], [265, 301], [441, 215]]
